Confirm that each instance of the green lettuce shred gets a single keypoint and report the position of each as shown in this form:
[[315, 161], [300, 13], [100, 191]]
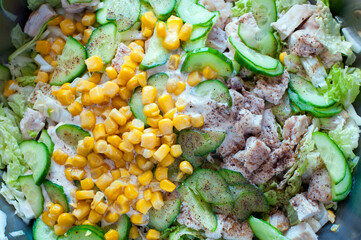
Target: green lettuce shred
[[18, 37], [34, 4], [241, 7], [346, 138], [26, 81], [182, 232], [285, 5]]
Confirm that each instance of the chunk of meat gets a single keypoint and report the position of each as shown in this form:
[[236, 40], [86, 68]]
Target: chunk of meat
[[32, 121], [294, 128], [232, 143], [253, 103], [279, 220], [78, 7], [283, 157], [38, 18], [232, 31], [233, 230], [248, 123], [217, 234], [235, 83], [262, 174], [122, 50], [222, 6], [305, 44], [40, 88], [319, 220], [217, 39], [301, 231], [293, 18], [320, 187], [329, 59], [255, 154], [185, 217], [305, 208], [237, 100], [269, 133], [272, 88]]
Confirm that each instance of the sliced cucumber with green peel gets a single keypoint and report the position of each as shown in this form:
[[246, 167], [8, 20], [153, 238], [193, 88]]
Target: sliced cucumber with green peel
[[215, 90], [33, 194], [190, 46], [56, 194], [315, 111], [200, 58], [332, 156], [202, 210], [159, 81], [46, 139], [265, 13], [212, 187], [191, 12], [216, 138], [83, 232], [161, 219], [71, 134], [155, 55], [163, 8], [264, 231], [200, 31], [71, 63], [122, 226], [37, 156], [102, 42], [125, 12], [42, 231], [232, 177], [223, 208], [341, 190], [136, 105], [101, 14], [308, 93]]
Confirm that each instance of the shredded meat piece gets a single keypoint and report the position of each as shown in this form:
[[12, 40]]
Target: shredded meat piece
[[217, 39], [38, 18], [320, 187], [279, 220], [253, 103], [122, 51], [294, 128], [223, 7], [269, 133]]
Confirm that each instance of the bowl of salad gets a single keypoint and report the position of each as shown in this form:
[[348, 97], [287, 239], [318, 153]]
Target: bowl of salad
[[165, 119]]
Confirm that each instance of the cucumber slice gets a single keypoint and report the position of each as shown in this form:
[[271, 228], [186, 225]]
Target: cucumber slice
[[83, 232], [265, 13], [199, 32], [223, 208], [156, 54], [136, 105], [200, 58], [191, 12], [122, 226], [264, 231], [33, 194], [162, 219], [254, 61], [71, 63], [307, 92], [190, 46], [212, 187], [159, 81], [190, 141], [71, 134], [101, 14], [202, 211], [332, 156], [46, 139], [125, 12], [232, 177], [163, 8], [4, 73], [216, 138], [42, 231], [315, 111], [56, 194], [257, 39], [37, 156], [341, 190], [102, 42], [215, 90]]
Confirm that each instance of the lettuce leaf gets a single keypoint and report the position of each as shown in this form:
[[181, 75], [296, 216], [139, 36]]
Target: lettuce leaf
[[26, 81], [343, 84], [241, 7], [329, 33], [285, 5], [346, 138], [180, 232], [18, 103], [18, 37]]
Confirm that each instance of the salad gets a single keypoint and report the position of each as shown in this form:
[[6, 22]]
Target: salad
[[165, 119]]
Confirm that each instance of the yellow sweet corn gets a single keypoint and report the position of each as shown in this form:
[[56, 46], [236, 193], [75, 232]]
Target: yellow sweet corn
[[56, 21], [143, 206], [97, 172], [137, 55], [94, 63], [82, 210], [135, 170], [170, 114], [104, 181], [100, 146], [176, 150], [59, 156], [137, 219], [157, 200], [77, 174], [79, 161], [87, 184], [282, 57], [128, 156], [194, 78], [126, 73], [135, 136], [7, 91], [173, 62], [167, 161], [55, 210], [118, 102], [171, 85], [180, 104], [66, 220], [99, 131], [87, 222], [42, 77], [94, 217], [85, 86], [161, 29], [86, 35], [181, 86], [111, 127], [169, 139], [85, 194], [174, 23], [153, 234], [118, 117], [101, 208], [161, 173], [151, 110], [132, 83], [153, 121], [161, 153], [111, 217], [125, 93], [133, 233], [149, 20], [165, 102], [186, 167], [171, 40], [148, 153], [47, 219], [181, 122], [75, 108], [185, 32], [67, 26], [58, 46], [95, 160], [128, 62], [87, 119], [131, 191], [111, 72], [43, 47], [85, 99], [126, 146], [149, 94], [48, 58], [80, 27], [114, 189], [96, 95], [98, 198], [65, 97], [88, 19], [60, 230], [147, 194], [116, 173], [197, 120], [114, 154], [140, 42], [114, 140], [110, 89], [167, 185], [145, 178], [148, 140], [165, 126], [111, 235], [209, 72]]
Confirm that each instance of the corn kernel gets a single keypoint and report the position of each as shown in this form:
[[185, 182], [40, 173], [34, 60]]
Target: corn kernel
[[137, 55], [99, 131], [99, 171], [100, 146], [56, 21], [149, 94], [43, 47], [171, 85], [209, 72], [165, 126], [131, 191], [165, 102], [87, 119], [111, 217], [111, 72], [145, 178], [86, 35], [180, 104], [114, 154], [194, 78], [85, 99], [151, 110], [87, 184], [104, 181], [181, 122], [170, 114], [176, 150], [161, 153], [85, 194], [80, 27], [75, 108], [47, 219], [137, 124], [118, 117], [110, 126], [157, 200], [173, 62], [148, 140], [126, 73], [87, 222], [174, 23], [118, 102], [153, 121], [149, 19], [282, 57], [125, 93], [94, 217], [146, 31], [58, 46], [79, 161], [126, 146], [197, 120], [167, 185], [135, 170], [7, 88], [133, 233], [66, 220], [161, 29], [140, 42], [153, 234], [169, 139], [167, 161], [55, 210], [94, 63], [59, 156], [161, 173], [77, 174], [186, 167], [60, 230], [114, 140], [185, 32], [147, 194], [95, 78], [171, 40], [96, 95], [128, 156], [137, 219], [111, 235], [65, 97], [132, 83], [181, 86], [88, 19], [143, 206], [114, 189], [67, 27]]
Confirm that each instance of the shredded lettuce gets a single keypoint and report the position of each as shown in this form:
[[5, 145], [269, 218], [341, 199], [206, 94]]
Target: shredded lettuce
[[343, 84], [241, 7], [34, 4], [346, 138], [18, 37], [285, 5], [26, 81], [18, 103], [182, 232], [329, 33]]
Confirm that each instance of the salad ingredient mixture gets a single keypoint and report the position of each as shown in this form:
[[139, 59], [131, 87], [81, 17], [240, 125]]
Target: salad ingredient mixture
[[165, 119]]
